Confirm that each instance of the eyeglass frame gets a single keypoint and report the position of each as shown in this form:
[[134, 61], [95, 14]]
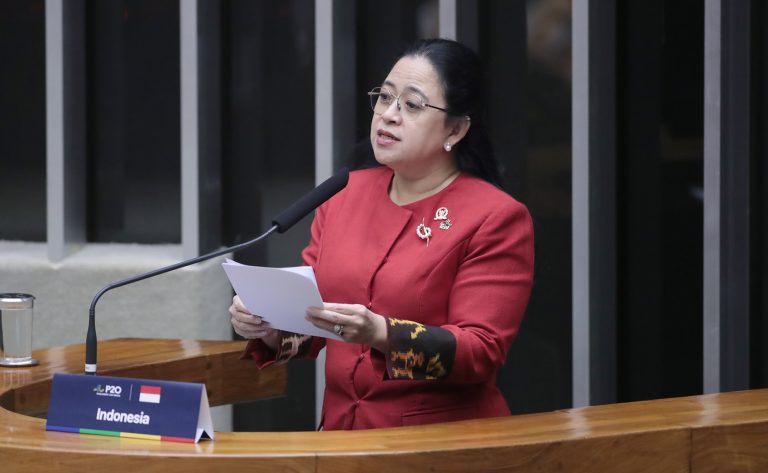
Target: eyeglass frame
[[374, 91]]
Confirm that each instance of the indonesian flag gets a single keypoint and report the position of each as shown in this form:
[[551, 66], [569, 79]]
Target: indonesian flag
[[150, 394]]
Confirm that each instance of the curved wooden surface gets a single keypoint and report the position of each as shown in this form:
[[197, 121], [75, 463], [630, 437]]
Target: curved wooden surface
[[710, 433]]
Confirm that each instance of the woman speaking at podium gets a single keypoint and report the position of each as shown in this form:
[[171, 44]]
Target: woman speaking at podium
[[428, 263]]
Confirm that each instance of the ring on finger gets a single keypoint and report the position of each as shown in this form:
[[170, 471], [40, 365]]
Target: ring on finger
[[338, 330]]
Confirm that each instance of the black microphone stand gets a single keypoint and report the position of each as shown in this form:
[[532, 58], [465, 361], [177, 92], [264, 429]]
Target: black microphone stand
[[90, 339], [284, 220]]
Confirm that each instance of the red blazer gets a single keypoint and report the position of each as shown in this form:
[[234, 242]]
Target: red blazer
[[454, 303]]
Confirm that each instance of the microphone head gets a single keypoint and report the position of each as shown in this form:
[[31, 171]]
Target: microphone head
[[327, 189]]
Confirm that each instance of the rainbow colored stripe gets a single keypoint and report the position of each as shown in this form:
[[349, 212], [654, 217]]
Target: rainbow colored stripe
[[111, 433]]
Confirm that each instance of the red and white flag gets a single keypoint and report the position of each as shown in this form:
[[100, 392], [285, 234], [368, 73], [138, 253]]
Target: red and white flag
[[150, 394]]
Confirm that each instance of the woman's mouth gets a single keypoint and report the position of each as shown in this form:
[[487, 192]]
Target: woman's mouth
[[384, 138]]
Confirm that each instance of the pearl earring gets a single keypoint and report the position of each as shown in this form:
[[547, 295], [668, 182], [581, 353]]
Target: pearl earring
[[447, 146]]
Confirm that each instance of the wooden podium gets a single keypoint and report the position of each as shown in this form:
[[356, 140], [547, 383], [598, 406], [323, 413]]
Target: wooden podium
[[710, 433]]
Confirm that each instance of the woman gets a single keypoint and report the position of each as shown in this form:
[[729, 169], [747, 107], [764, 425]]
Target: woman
[[428, 263]]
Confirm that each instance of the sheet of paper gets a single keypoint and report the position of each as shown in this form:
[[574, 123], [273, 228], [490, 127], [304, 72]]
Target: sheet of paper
[[279, 295]]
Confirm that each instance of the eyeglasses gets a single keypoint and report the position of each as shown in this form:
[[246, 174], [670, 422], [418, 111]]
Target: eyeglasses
[[382, 99]]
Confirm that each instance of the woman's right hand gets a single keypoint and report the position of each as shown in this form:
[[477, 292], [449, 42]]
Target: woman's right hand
[[251, 326]]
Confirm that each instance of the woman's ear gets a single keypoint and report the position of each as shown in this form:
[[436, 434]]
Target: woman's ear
[[459, 129]]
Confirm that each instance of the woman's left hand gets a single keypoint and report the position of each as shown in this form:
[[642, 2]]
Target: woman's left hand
[[357, 323]]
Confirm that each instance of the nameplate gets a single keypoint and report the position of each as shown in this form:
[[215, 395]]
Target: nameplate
[[129, 407]]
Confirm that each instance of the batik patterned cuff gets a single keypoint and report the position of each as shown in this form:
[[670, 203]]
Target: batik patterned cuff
[[418, 351], [292, 345]]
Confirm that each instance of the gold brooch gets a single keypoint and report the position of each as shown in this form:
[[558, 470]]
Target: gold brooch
[[423, 231], [442, 215]]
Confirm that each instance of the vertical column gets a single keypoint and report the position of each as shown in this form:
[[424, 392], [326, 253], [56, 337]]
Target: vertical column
[[602, 201], [209, 123], [190, 224], [324, 149], [54, 90], [200, 82], [711, 314], [335, 99], [65, 126], [447, 19], [346, 97], [727, 194], [736, 196], [760, 211], [580, 202], [323, 90], [735, 225], [594, 202]]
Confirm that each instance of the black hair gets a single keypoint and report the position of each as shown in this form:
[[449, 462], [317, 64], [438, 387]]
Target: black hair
[[461, 75]]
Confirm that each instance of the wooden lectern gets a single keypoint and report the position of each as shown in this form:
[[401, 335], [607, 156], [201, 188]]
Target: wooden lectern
[[725, 432]]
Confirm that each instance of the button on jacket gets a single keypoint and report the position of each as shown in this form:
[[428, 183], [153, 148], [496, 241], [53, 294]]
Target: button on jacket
[[453, 300]]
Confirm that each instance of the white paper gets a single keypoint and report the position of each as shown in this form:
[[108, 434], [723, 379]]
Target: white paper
[[280, 296]]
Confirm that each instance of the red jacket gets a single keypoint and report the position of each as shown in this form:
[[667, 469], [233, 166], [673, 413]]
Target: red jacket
[[454, 303]]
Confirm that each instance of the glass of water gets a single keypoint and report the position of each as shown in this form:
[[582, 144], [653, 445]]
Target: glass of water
[[16, 329]]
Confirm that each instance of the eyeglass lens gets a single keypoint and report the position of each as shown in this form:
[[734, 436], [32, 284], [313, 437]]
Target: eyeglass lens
[[382, 99]]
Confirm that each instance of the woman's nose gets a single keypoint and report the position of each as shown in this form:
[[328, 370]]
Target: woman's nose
[[392, 113]]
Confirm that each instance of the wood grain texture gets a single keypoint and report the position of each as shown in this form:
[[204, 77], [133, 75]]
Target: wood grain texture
[[710, 433], [731, 448]]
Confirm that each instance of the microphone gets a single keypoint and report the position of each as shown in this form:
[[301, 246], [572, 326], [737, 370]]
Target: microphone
[[284, 221], [288, 217]]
